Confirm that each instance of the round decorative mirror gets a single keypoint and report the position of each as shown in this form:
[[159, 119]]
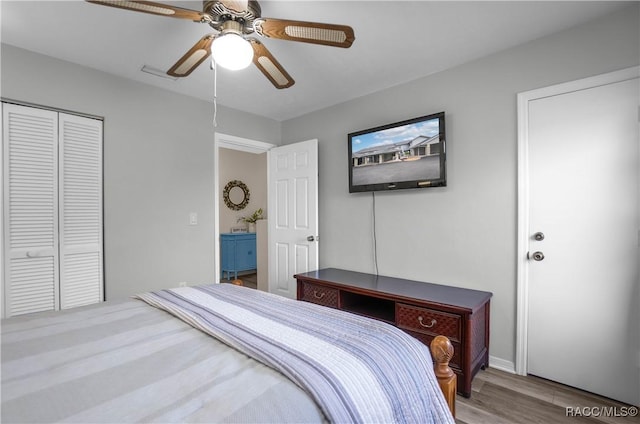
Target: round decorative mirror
[[236, 195]]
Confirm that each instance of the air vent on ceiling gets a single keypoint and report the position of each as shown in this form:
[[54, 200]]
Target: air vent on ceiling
[[157, 72]]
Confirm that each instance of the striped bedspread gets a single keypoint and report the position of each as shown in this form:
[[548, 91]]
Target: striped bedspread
[[356, 369], [123, 361]]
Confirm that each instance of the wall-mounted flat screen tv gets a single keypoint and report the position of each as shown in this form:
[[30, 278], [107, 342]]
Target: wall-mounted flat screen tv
[[407, 154]]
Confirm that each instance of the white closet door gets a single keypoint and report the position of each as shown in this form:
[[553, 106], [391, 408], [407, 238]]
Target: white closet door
[[30, 164], [81, 247]]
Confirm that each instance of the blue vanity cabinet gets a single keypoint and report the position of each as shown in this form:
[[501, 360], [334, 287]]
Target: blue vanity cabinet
[[237, 253]]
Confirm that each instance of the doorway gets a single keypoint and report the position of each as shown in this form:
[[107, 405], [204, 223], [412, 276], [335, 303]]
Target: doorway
[[577, 234], [232, 148]]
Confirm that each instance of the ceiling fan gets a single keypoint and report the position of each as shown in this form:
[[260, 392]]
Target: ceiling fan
[[234, 20]]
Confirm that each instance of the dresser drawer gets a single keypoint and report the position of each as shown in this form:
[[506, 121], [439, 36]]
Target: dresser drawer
[[321, 295], [428, 321]]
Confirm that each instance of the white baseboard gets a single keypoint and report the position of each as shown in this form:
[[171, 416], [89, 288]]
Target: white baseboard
[[502, 364]]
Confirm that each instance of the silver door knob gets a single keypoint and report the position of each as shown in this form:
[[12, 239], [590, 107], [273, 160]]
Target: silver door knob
[[312, 238], [539, 236], [537, 256]]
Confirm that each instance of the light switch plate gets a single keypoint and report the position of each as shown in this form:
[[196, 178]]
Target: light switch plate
[[193, 218]]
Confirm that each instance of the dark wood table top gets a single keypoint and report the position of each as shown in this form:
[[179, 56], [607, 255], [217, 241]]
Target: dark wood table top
[[467, 299]]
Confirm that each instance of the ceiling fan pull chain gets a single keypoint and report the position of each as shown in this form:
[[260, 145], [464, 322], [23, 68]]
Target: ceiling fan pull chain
[[215, 92]]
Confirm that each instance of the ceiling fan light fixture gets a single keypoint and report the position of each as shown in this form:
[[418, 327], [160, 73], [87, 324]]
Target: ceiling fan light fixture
[[231, 51]]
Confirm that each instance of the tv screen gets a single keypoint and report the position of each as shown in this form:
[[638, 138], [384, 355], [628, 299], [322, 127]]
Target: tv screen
[[407, 154]]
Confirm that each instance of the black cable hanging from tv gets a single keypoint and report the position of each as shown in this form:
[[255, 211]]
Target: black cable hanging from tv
[[375, 242]]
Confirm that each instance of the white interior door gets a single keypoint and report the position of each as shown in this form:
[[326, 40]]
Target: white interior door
[[80, 227], [52, 197], [293, 214], [30, 166], [583, 319]]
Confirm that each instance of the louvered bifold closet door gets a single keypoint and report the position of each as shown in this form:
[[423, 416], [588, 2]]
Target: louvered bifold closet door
[[81, 265], [30, 162]]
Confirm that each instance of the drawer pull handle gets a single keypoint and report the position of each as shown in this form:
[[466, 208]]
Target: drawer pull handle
[[318, 296], [433, 322]]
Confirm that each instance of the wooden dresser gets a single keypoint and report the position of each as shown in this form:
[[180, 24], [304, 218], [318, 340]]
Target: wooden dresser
[[423, 310]]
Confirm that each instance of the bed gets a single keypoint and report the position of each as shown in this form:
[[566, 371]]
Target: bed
[[217, 353]]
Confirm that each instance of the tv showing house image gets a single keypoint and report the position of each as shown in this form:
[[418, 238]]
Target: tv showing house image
[[407, 154]]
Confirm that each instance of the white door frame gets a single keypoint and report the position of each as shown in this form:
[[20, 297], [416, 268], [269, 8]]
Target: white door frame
[[522, 302], [2, 264], [235, 143]]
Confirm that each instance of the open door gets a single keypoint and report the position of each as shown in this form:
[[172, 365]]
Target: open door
[[293, 214]]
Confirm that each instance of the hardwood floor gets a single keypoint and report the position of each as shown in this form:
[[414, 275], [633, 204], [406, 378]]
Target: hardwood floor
[[499, 397], [249, 280]]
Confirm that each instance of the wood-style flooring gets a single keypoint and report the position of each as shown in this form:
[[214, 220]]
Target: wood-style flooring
[[249, 280], [498, 397]]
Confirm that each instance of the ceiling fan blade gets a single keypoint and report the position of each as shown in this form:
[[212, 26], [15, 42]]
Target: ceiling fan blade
[[193, 58], [238, 6], [269, 66], [306, 32], [154, 9]]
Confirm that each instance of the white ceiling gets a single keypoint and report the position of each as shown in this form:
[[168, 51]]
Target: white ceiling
[[396, 41]]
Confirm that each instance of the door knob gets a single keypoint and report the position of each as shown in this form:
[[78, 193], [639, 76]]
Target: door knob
[[312, 238], [536, 256], [539, 236]]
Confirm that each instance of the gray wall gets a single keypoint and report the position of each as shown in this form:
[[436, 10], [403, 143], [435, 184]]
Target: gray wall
[[158, 166], [464, 234]]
